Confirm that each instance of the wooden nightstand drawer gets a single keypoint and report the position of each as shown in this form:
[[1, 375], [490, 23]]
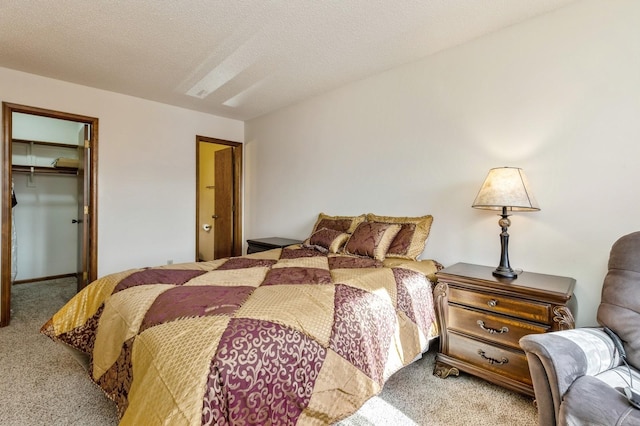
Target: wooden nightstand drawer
[[521, 308], [499, 360], [496, 328]]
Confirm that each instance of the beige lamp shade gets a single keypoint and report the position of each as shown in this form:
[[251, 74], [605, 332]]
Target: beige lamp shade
[[506, 187]]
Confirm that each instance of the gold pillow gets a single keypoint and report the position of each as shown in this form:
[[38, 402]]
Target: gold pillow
[[326, 240], [410, 241], [371, 239], [339, 223]]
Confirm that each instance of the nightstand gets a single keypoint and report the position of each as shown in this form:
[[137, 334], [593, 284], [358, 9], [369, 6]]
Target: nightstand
[[262, 244], [483, 317]]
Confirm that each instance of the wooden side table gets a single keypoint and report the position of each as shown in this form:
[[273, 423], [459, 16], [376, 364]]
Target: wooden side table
[[262, 244], [483, 317]]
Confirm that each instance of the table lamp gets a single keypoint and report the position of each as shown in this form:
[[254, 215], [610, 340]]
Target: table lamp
[[505, 189]]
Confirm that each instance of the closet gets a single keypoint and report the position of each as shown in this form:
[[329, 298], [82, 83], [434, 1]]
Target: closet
[[44, 164], [50, 159]]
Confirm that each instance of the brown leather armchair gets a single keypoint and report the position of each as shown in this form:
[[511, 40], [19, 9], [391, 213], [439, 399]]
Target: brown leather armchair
[[578, 375]]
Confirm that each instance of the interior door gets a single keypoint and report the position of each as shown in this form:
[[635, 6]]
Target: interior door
[[83, 217], [223, 216], [218, 195]]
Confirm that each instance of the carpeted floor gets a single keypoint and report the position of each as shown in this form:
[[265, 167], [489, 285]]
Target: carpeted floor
[[42, 384]]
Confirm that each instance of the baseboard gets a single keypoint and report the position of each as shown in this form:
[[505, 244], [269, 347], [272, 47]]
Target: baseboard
[[51, 277]]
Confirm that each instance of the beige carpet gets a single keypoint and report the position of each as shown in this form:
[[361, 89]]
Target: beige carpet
[[42, 384]]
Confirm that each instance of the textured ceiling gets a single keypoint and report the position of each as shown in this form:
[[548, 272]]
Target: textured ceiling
[[238, 58]]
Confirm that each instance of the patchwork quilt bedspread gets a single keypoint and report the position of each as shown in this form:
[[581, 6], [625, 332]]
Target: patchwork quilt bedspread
[[286, 336]]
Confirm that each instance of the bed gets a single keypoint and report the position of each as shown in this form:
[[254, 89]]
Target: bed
[[298, 335]]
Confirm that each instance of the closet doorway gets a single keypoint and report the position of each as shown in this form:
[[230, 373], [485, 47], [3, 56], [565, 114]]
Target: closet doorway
[[52, 158], [218, 207]]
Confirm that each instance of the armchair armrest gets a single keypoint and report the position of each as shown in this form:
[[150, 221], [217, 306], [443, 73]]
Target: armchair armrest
[[557, 359]]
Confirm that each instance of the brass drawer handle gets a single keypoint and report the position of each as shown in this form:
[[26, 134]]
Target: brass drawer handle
[[492, 303], [492, 360], [492, 330]]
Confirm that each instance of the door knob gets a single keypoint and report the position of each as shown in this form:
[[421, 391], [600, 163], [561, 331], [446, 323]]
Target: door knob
[[76, 221], [206, 227], [215, 216]]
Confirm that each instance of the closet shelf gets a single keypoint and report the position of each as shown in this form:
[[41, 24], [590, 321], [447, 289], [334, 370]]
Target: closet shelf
[[44, 170], [43, 143]]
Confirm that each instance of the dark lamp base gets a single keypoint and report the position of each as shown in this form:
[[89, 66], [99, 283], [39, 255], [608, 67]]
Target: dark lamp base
[[504, 270], [505, 273]]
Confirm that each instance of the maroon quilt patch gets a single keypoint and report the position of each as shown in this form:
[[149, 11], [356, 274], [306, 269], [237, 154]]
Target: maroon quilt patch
[[195, 301], [116, 381], [297, 275], [349, 262], [158, 276], [242, 263], [298, 253], [363, 326], [415, 297], [82, 337], [263, 373]]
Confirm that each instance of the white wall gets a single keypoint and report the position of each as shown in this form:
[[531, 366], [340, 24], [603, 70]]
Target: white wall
[[47, 241], [146, 172], [558, 96], [38, 128]]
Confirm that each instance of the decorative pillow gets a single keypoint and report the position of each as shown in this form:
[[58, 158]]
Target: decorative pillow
[[326, 240], [410, 241], [339, 223], [372, 239]]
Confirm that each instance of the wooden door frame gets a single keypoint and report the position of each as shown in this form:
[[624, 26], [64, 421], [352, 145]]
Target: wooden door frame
[[236, 250], [7, 114]]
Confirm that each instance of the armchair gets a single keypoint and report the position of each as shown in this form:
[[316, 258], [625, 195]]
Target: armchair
[[578, 375]]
